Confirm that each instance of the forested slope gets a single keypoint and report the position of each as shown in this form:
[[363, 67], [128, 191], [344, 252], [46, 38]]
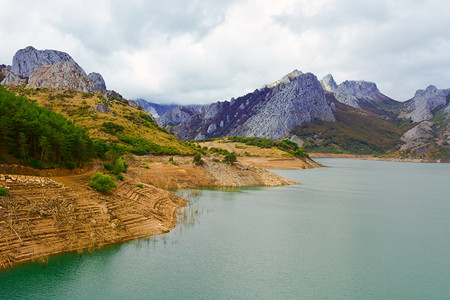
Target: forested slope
[[34, 135]]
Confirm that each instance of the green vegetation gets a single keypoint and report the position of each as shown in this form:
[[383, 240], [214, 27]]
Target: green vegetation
[[119, 177], [140, 185], [101, 182], [285, 145], [141, 146], [230, 158], [119, 166], [111, 128], [32, 135], [3, 192], [198, 160]]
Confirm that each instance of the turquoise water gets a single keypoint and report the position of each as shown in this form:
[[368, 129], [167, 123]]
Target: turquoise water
[[354, 230]]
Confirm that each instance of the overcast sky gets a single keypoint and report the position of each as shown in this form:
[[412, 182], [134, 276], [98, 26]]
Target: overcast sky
[[192, 51]]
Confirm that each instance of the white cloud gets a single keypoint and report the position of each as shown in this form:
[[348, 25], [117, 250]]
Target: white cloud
[[199, 52]]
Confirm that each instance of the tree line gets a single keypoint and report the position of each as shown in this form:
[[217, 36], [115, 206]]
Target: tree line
[[39, 137]]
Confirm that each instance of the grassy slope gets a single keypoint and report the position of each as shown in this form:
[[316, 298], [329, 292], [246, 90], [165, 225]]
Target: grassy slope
[[355, 131], [79, 107]]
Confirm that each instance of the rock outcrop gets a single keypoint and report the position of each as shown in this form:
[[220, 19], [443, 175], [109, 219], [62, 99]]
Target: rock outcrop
[[329, 84], [352, 92], [98, 80], [270, 112], [417, 136], [53, 69], [29, 59], [62, 75], [420, 107]]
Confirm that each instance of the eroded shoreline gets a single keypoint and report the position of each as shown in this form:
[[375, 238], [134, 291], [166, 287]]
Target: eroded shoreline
[[45, 215]]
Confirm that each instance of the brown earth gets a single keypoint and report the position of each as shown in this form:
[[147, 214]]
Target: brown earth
[[286, 163], [55, 211]]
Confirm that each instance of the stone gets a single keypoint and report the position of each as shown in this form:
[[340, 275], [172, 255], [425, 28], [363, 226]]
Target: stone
[[420, 107], [25, 61], [98, 80], [417, 135], [329, 84], [63, 75], [352, 92], [101, 107]]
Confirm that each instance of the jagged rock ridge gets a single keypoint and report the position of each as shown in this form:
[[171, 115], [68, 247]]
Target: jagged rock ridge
[[420, 107], [271, 111]]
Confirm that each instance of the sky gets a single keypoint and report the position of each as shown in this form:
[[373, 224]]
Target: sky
[[196, 52]]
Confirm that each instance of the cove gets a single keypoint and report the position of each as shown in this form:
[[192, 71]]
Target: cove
[[354, 230]]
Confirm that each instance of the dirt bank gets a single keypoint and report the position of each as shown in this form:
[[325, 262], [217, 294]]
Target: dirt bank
[[285, 163], [182, 173], [45, 215]]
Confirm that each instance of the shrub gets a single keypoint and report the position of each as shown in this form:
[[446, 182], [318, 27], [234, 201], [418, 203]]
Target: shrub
[[119, 166], [300, 153], [101, 182], [108, 166], [111, 128], [198, 159], [230, 158], [147, 167], [3, 192], [140, 185], [119, 177]]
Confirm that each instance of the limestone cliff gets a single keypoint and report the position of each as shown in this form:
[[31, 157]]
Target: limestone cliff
[[420, 107], [62, 75], [50, 68]]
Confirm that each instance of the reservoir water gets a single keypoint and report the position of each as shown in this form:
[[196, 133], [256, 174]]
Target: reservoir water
[[354, 230]]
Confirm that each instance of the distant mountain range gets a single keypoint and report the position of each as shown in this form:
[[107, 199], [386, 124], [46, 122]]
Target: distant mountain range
[[352, 117]]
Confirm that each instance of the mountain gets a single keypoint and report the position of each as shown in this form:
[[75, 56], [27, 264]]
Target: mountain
[[424, 102], [352, 117], [54, 81], [155, 109], [50, 68], [269, 112]]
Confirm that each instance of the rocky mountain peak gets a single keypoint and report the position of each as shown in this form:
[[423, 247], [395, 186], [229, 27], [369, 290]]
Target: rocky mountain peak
[[329, 84], [285, 79], [269, 112], [420, 107], [51, 68], [351, 92], [29, 59]]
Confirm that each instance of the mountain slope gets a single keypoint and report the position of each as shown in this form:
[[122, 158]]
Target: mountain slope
[[355, 131], [270, 112]]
